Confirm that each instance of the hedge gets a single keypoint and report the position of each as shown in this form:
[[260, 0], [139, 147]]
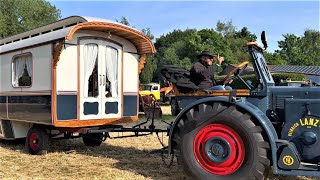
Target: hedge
[[238, 84]]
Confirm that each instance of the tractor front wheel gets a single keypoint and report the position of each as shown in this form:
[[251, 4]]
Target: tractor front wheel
[[216, 141]]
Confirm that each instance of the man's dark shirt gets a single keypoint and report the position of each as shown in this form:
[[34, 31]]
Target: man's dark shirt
[[202, 75]]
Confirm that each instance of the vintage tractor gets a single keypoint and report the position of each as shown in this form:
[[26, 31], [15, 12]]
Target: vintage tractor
[[240, 134]]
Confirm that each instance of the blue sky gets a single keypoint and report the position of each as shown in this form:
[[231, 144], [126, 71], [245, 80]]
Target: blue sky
[[275, 17]]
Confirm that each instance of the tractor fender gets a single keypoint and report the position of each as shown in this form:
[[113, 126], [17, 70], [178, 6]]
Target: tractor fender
[[250, 108]]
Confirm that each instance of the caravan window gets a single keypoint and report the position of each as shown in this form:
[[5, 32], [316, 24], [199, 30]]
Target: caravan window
[[111, 72], [91, 88], [22, 70]]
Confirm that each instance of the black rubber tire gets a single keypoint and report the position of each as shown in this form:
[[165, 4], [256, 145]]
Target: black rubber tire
[[93, 139], [174, 107], [37, 141], [255, 164]]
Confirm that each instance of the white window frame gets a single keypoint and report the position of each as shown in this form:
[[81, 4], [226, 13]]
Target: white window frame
[[13, 70]]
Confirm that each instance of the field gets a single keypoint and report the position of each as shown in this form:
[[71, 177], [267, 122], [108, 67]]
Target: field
[[129, 158]]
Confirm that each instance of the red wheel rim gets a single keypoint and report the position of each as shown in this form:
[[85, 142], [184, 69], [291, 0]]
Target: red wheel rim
[[34, 141], [219, 149]]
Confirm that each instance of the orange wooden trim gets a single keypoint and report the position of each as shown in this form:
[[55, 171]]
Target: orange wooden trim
[[142, 62], [122, 77], [78, 80], [239, 92], [111, 26], [94, 122], [57, 50], [53, 88], [254, 44], [167, 89], [175, 90], [138, 85]]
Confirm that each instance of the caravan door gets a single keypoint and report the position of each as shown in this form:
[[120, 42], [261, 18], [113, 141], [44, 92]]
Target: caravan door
[[100, 79], [111, 90]]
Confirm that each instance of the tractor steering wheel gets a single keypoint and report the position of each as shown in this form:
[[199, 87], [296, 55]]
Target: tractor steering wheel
[[235, 72]]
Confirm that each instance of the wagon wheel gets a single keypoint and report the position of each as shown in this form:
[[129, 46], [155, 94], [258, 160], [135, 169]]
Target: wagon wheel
[[235, 72], [93, 139], [37, 141], [215, 141]]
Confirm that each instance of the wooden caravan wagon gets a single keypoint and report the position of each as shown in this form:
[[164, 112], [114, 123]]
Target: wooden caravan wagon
[[74, 73]]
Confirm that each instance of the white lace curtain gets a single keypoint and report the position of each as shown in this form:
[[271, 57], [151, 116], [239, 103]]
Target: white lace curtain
[[112, 69], [90, 54], [19, 64]]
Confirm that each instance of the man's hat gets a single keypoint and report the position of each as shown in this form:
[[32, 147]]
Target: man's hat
[[205, 53]]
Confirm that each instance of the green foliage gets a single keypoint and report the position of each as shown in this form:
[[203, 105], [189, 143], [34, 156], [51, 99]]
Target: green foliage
[[17, 16], [180, 48], [244, 33], [283, 76], [148, 33], [304, 50], [226, 29], [274, 58], [147, 72]]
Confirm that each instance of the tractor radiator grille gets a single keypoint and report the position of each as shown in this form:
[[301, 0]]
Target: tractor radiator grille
[[280, 101]]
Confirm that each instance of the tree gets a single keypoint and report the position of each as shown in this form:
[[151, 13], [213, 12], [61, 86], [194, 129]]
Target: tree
[[244, 33], [17, 16], [148, 33], [236, 40], [275, 59], [124, 21], [147, 72], [226, 29], [304, 50]]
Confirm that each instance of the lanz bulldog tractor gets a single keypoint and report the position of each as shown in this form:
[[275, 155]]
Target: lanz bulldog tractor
[[91, 89], [240, 134]]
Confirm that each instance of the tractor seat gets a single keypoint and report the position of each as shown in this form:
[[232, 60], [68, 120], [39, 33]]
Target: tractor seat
[[179, 77]]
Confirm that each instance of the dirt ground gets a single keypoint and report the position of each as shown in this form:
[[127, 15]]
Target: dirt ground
[[130, 158]]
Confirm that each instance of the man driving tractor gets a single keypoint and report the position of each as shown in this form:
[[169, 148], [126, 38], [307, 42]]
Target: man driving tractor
[[202, 72]]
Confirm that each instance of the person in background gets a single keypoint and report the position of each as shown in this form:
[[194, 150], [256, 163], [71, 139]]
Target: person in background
[[202, 72]]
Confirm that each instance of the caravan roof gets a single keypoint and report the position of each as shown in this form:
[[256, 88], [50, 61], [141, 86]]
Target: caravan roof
[[65, 28]]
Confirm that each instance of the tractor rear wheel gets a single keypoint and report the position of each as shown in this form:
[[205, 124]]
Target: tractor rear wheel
[[93, 139], [216, 141]]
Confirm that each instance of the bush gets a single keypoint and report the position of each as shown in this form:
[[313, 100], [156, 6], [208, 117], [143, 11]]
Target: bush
[[283, 76], [238, 84]]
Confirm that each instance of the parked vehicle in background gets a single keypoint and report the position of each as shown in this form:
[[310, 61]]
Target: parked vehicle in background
[[151, 88]]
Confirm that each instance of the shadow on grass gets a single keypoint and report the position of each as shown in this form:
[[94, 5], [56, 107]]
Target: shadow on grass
[[144, 162]]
